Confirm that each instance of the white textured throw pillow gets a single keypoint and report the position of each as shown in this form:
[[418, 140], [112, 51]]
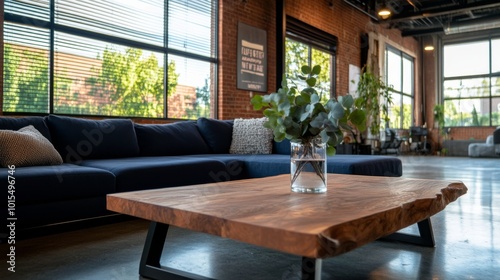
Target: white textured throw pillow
[[251, 137], [26, 147]]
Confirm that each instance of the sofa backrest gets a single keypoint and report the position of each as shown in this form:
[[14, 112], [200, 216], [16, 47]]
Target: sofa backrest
[[11, 123], [496, 136], [79, 139], [180, 138], [216, 133]]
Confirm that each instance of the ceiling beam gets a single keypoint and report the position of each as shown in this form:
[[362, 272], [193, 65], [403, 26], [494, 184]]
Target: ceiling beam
[[440, 11], [421, 32]]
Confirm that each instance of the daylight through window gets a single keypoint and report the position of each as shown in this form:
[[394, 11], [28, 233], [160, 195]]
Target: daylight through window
[[135, 58], [471, 83]]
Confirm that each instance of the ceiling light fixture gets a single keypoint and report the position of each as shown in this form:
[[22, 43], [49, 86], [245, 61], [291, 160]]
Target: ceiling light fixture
[[429, 48], [384, 12]]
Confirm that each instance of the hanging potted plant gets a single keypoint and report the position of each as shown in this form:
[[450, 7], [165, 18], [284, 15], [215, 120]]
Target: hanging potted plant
[[314, 128]]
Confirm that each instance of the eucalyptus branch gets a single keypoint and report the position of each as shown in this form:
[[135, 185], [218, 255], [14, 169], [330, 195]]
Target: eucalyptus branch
[[299, 115]]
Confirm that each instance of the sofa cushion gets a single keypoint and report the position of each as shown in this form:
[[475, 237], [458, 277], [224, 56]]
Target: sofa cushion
[[365, 165], [180, 138], [268, 165], [78, 139], [44, 184], [217, 133], [26, 147], [142, 173], [17, 123], [282, 148], [251, 137]]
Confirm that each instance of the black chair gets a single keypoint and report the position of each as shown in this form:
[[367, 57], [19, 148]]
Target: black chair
[[392, 142], [418, 138]]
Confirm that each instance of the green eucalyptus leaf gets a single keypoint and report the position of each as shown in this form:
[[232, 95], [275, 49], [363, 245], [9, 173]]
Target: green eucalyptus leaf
[[357, 117], [311, 81], [309, 91], [337, 111], [324, 136], [301, 100], [297, 113], [347, 101], [315, 98], [330, 104], [331, 150], [278, 136], [271, 113], [284, 107], [287, 122], [305, 114], [316, 70], [306, 97], [294, 131], [257, 102], [319, 120], [305, 129], [314, 130], [318, 108], [306, 70]]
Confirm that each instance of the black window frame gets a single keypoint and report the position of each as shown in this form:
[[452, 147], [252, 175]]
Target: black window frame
[[490, 76], [316, 38], [52, 26], [399, 92]]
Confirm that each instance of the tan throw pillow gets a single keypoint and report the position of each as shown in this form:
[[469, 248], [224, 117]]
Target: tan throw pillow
[[251, 137], [26, 147]]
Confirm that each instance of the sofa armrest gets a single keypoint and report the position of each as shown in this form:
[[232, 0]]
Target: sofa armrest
[[496, 136]]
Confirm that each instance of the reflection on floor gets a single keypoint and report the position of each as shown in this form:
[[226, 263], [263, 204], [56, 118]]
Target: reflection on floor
[[467, 237]]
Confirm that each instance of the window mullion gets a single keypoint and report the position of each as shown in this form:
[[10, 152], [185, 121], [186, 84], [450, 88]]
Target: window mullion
[[51, 57]]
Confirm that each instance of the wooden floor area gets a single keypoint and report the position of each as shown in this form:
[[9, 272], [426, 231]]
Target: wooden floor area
[[467, 235]]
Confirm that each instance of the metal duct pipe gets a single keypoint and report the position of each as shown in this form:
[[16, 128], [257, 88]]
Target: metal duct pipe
[[481, 24]]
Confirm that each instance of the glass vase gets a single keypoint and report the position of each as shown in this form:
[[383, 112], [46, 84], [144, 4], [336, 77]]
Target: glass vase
[[308, 167]]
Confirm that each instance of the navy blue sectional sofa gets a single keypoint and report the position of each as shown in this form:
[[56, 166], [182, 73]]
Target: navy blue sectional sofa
[[116, 155]]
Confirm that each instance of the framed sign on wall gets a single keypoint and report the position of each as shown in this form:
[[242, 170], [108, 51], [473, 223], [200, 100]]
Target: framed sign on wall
[[251, 58]]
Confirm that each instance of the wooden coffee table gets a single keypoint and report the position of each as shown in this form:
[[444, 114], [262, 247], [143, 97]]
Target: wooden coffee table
[[354, 211]]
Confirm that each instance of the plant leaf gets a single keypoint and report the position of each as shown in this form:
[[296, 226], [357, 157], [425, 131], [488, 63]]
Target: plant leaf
[[337, 111], [319, 120], [316, 70], [257, 102], [314, 98], [305, 69], [347, 101], [311, 81]]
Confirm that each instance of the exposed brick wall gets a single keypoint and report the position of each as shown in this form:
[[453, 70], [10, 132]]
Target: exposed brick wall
[[342, 20], [235, 103], [466, 133]]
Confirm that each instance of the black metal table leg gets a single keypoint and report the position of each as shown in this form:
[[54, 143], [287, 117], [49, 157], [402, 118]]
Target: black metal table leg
[[311, 269], [150, 267], [426, 237]]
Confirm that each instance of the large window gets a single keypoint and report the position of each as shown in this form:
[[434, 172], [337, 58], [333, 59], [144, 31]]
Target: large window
[[399, 74], [471, 83], [134, 58], [306, 45]]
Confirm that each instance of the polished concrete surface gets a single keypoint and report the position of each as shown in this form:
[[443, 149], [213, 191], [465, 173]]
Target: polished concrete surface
[[467, 235]]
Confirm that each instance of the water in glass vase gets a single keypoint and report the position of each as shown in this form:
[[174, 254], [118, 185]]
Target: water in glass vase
[[308, 167]]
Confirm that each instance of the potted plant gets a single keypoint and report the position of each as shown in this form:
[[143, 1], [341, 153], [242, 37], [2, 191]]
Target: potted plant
[[439, 122], [314, 128], [374, 96]]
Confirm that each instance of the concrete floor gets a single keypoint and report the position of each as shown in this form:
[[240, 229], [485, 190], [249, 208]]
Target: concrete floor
[[467, 235]]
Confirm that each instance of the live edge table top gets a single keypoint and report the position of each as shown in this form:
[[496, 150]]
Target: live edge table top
[[354, 211]]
